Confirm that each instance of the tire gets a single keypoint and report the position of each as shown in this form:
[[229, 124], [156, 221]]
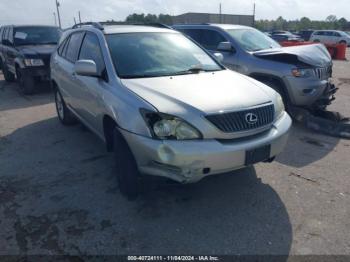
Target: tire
[[26, 83], [65, 116], [317, 41], [8, 76], [126, 167]]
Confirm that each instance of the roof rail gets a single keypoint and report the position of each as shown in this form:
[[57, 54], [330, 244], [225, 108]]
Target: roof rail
[[160, 25], [94, 24]]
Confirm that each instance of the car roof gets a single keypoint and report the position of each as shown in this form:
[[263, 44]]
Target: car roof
[[330, 30], [119, 29], [16, 26], [222, 26]]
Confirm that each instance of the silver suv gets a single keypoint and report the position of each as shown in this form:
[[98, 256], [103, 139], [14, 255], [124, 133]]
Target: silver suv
[[163, 105], [301, 74]]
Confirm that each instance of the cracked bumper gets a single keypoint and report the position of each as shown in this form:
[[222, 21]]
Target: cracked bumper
[[304, 91], [190, 161]]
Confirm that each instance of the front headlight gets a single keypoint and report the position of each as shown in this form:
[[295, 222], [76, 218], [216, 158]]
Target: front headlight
[[302, 72], [279, 109], [167, 127], [33, 62]]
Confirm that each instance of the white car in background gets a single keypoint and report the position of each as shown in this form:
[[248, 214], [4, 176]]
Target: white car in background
[[330, 37]]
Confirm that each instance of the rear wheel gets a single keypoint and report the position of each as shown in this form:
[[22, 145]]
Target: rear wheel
[[26, 83], [317, 41], [126, 167], [64, 114]]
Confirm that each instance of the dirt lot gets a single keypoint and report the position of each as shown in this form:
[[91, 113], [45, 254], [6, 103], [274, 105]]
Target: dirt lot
[[59, 194]]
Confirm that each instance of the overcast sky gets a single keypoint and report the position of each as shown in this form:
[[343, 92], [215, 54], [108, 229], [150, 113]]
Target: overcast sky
[[41, 11]]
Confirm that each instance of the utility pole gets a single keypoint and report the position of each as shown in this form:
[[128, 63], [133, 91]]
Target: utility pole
[[79, 18], [254, 8], [220, 13], [54, 17], [58, 13], [75, 21]]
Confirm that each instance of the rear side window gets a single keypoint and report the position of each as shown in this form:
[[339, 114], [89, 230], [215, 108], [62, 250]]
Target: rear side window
[[73, 47], [90, 50], [62, 46]]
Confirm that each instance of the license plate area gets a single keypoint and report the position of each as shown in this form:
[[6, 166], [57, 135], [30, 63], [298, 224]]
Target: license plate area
[[257, 155]]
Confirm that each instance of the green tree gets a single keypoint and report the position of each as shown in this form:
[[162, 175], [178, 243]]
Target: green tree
[[305, 23], [342, 23]]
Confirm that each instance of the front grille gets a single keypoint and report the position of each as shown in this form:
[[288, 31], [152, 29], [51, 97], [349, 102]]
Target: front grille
[[237, 121], [323, 73]]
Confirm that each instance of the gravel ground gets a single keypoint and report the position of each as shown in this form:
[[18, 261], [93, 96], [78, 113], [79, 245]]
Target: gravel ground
[[59, 194]]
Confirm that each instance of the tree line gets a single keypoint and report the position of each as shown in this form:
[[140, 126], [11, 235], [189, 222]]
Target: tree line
[[331, 22]]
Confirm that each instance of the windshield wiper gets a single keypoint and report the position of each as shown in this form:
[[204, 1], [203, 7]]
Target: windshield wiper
[[192, 70]]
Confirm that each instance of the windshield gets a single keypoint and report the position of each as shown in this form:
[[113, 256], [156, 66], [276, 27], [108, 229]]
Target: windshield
[[252, 40], [38, 35], [138, 55]]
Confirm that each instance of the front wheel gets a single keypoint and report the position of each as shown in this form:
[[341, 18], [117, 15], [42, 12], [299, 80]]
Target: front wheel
[[9, 77], [26, 83], [64, 114], [126, 167]]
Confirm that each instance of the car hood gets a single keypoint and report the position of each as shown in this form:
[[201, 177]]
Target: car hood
[[313, 55], [208, 92], [32, 50]]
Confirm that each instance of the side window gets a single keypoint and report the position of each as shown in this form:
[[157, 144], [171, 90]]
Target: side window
[[211, 39], [4, 34], [73, 47], [10, 34], [90, 50], [195, 34], [336, 34]]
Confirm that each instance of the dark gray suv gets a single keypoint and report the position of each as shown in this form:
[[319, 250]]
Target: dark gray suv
[[25, 53]]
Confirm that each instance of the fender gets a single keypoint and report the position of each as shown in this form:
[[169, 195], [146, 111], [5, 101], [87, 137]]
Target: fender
[[19, 62]]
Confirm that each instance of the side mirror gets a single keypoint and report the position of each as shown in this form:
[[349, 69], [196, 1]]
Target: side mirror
[[219, 57], [225, 47], [86, 68]]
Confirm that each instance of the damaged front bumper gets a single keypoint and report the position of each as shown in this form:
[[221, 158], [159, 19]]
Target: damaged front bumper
[[310, 92], [190, 161], [327, 98]]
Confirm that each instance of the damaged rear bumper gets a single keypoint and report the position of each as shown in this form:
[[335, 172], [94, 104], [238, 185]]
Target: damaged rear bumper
[[190, 161]]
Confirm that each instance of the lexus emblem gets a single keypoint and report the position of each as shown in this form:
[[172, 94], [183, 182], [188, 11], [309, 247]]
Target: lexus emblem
[[251, 118]]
